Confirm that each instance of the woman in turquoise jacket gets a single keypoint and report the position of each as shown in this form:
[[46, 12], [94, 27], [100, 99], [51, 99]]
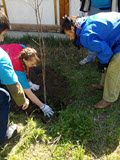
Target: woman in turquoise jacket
[[100, 33]]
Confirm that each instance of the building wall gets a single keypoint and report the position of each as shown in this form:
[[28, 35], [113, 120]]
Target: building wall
[[74, 7], [20, 12]]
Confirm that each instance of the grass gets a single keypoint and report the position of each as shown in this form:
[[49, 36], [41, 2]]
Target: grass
[[78, 132]]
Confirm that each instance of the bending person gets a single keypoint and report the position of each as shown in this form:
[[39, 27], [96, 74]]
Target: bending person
[[94, 7], [22, 60], [100, 33]]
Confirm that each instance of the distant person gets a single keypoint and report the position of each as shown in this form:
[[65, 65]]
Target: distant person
[[115, 5], [9, 79], [84, 8], [93, 7], [100, 33], [23, 58]]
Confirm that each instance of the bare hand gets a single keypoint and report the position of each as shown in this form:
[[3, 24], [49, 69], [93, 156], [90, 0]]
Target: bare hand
[[26, 104]]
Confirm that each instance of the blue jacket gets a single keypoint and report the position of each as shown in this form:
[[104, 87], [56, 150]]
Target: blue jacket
[[100, 33]]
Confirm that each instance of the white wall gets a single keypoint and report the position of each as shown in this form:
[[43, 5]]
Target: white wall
[[20, 12], [74, 6]]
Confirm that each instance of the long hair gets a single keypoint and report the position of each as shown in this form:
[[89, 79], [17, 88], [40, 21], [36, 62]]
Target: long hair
[[28, 54]]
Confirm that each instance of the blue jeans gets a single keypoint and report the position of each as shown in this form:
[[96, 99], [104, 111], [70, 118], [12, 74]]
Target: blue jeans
[[95, 10], [4, 115], [91, 56]]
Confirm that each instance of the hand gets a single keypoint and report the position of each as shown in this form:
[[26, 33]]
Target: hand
[[47, 110], [102, 67], [26, 104], [33, 86]]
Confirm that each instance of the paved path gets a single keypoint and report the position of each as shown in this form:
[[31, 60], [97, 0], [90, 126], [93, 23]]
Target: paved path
[[19, 34]]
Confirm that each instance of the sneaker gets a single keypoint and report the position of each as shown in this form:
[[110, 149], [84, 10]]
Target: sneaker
[[85, 61], [12, 131]]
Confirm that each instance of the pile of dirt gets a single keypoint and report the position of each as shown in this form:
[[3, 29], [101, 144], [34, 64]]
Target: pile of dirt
[[56, 89]]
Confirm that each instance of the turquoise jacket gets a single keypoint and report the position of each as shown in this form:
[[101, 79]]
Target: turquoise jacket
[[101, 4], [7, 73]]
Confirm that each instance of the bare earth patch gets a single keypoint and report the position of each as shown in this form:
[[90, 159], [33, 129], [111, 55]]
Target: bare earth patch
[[56, 89]]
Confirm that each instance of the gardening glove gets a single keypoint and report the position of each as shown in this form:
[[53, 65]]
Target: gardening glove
[[102, 67], [33, 86], [47, 110]]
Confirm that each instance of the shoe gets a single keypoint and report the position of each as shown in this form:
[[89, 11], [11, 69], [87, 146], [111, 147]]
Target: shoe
[[102, 104], [97, 86], [85, 61], [12, 131]]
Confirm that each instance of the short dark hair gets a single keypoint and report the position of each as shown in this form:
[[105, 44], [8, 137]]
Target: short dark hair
[[4, 22], [68, 23]]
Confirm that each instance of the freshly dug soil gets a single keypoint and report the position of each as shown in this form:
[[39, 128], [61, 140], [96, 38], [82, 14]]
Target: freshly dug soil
[[56, 90]]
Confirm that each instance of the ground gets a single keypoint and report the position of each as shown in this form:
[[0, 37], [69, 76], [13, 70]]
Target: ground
[[56, 89]]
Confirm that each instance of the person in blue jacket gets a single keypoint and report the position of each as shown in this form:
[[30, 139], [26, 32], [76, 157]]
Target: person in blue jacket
[[93, 7], [100, 33]]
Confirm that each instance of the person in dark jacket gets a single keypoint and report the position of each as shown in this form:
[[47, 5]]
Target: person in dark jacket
[[100, 33]]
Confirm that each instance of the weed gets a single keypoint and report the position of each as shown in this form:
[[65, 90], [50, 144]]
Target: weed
[[77, 131]]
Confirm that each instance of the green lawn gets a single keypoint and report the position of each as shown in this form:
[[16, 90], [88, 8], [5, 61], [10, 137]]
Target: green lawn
[[77, 131]]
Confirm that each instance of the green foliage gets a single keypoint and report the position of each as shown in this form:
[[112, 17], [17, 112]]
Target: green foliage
[[56, 42], [74, 124], [77, 131], [25, 40]]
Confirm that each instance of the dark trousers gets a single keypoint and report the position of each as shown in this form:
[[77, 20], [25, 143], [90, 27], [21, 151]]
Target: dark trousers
[[4, 115]]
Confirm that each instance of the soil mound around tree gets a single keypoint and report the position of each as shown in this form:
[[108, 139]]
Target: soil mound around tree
[[57, 88]]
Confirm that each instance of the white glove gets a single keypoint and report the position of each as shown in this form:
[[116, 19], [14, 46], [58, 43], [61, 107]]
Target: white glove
[[33, 86], [47, 110]]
